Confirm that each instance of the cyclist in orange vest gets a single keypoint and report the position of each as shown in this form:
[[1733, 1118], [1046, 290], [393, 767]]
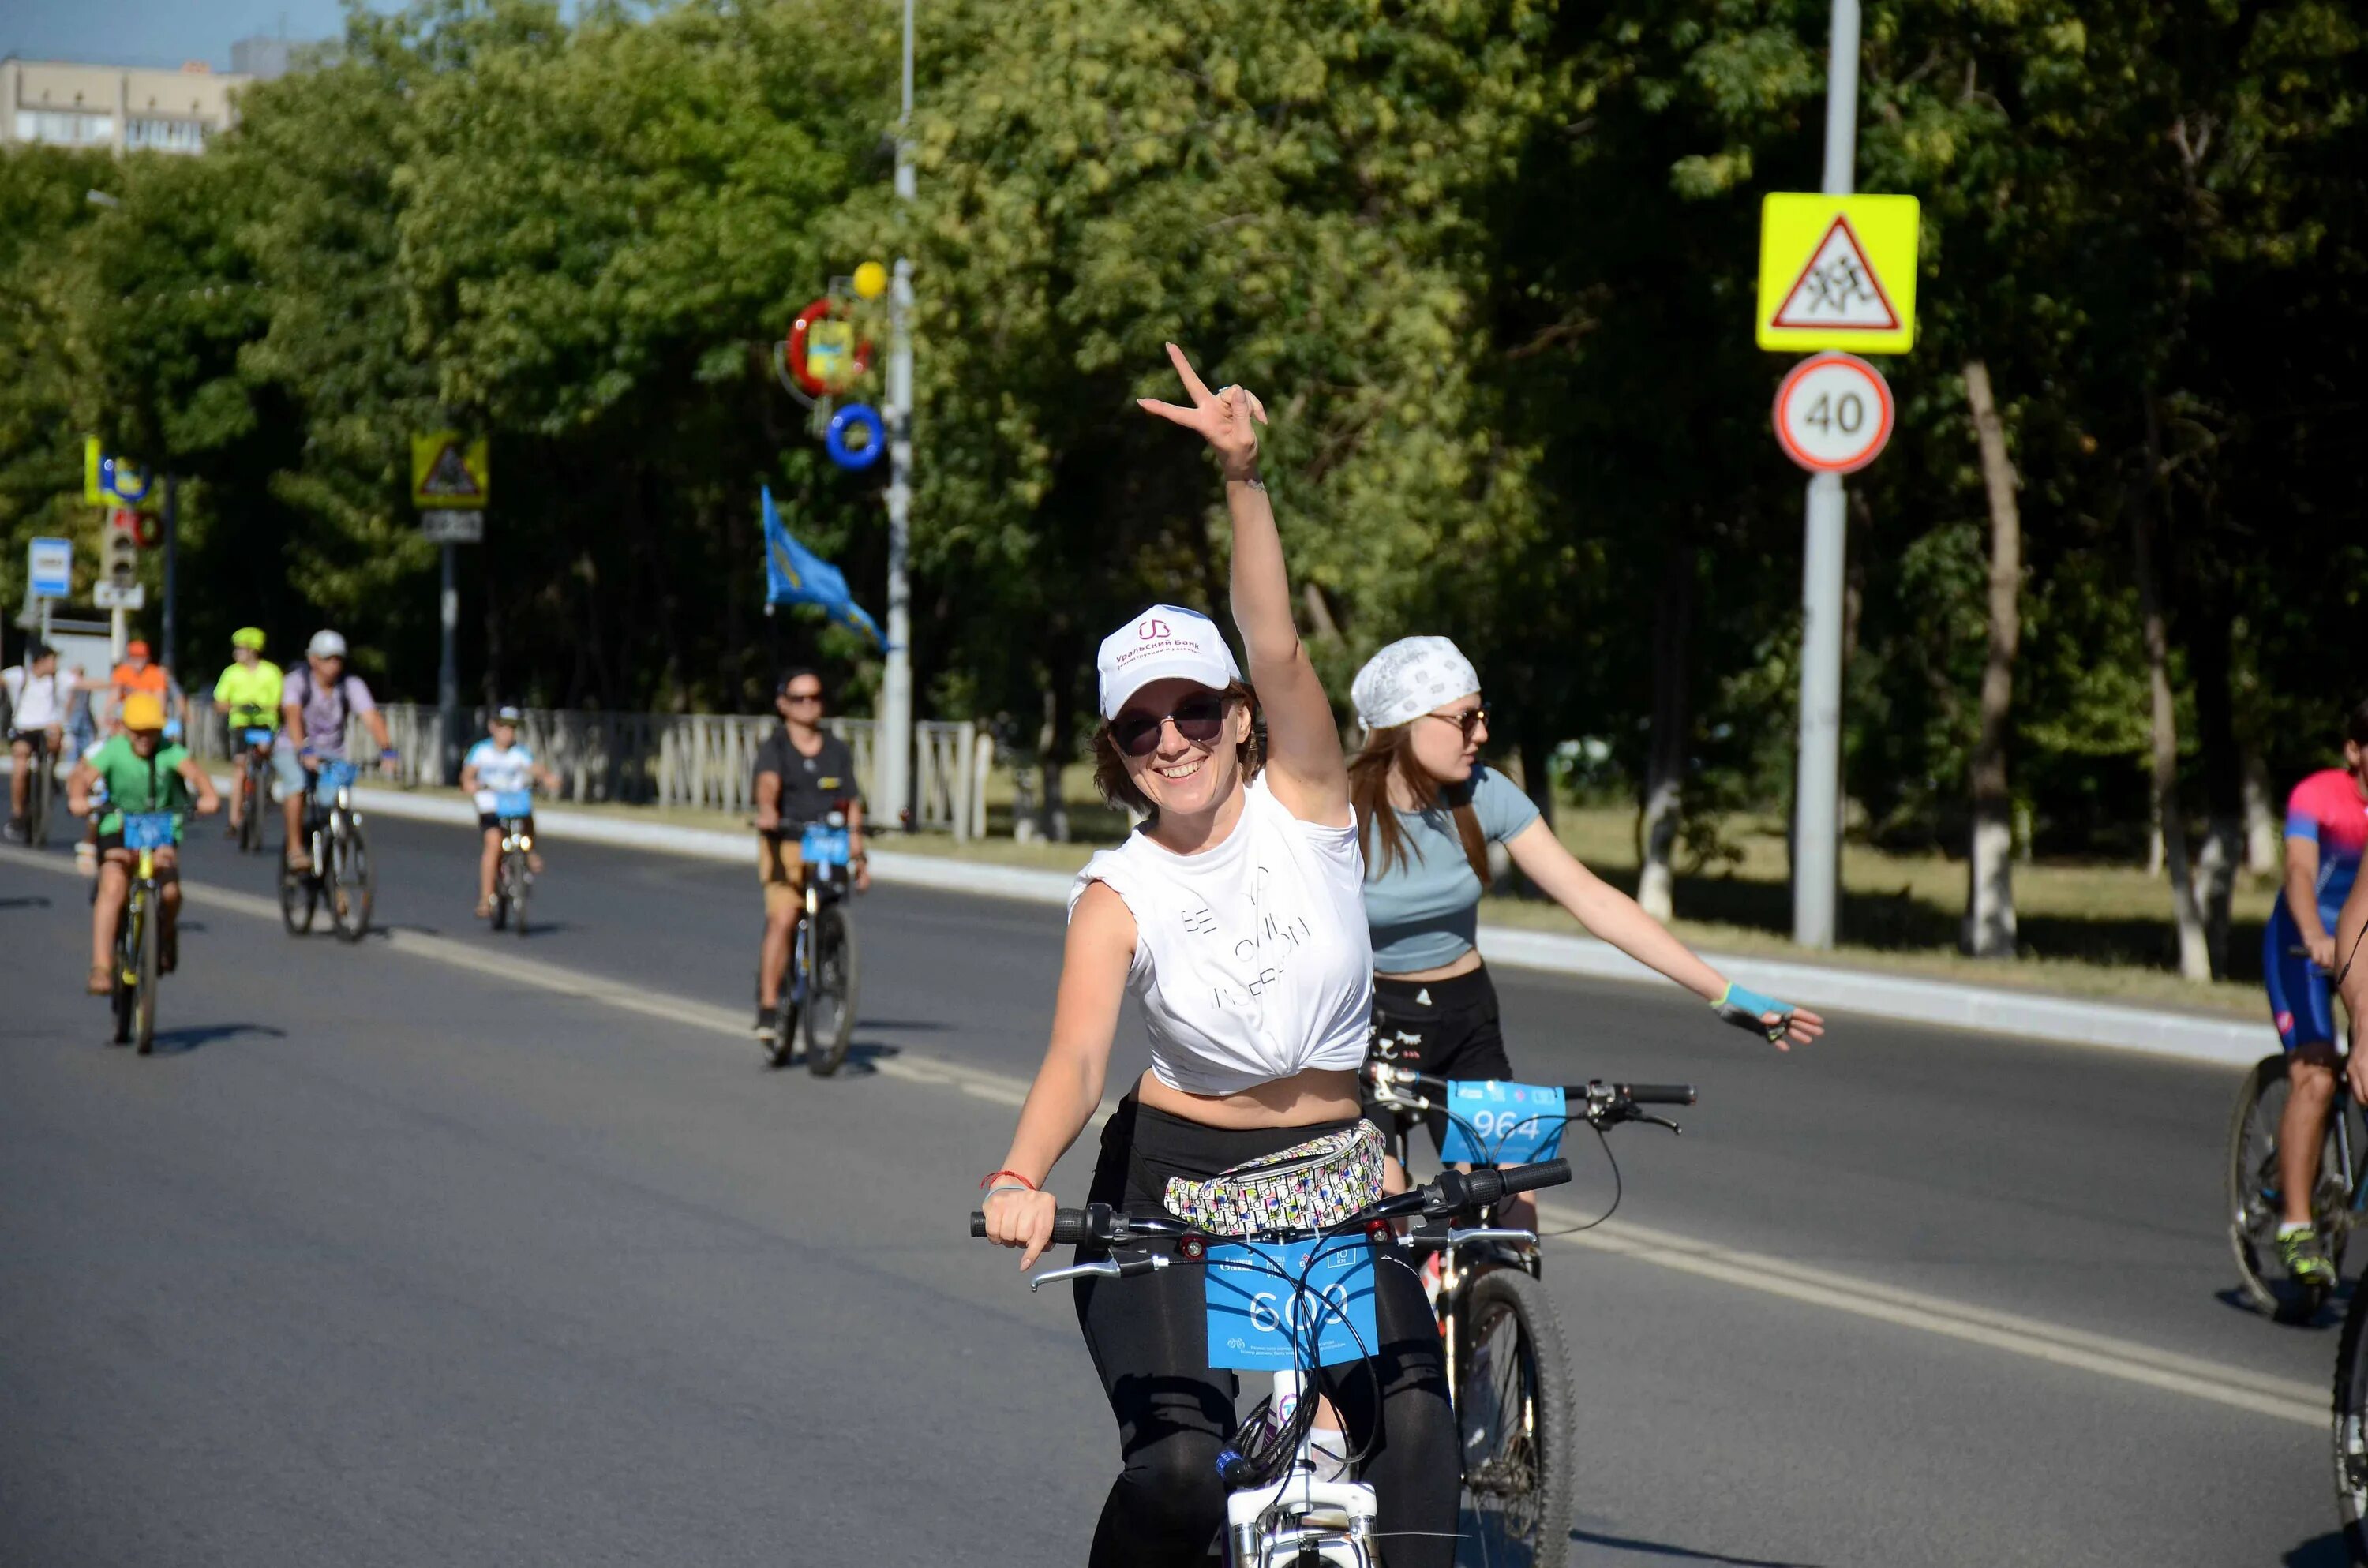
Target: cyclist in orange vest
[[139, 672]]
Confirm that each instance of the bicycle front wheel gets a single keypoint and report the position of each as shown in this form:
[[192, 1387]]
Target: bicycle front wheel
[[250, 819], [830, 990], [352, 888], [2256, 1197], [127, 973], [143, 1007], [2351, 1430], [1516, 1410], [37, 797], [510, 884]]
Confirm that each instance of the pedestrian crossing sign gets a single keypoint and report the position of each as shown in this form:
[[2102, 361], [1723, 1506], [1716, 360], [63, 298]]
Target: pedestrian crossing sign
[[1837, 272], [449, 472]]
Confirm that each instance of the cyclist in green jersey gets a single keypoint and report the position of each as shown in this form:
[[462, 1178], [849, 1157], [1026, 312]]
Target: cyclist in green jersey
[[141, 774], [248, 694]]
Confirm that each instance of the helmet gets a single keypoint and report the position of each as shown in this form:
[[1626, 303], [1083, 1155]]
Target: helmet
[[248, 637], [143, 710], [326, 644]]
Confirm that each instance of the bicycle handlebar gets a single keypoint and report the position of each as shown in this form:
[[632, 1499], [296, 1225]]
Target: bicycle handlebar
[[1598, 1098], [1452, 1192]]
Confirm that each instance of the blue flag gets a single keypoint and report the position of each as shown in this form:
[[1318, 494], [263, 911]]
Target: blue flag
[[796, 575]]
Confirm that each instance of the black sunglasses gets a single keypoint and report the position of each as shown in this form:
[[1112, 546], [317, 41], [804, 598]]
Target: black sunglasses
[[1468, 721], [1199, 719]]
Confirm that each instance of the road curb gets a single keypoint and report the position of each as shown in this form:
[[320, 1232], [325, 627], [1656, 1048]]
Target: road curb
[[2154, 1031]]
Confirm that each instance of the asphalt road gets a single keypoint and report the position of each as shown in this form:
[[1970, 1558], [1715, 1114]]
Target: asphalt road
[[451, 1248]]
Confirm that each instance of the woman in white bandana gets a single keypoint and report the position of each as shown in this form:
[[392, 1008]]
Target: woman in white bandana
[[1429, 809]]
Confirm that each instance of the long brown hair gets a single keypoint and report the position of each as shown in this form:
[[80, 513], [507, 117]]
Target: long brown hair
[[1388, 751], [1117, 787]]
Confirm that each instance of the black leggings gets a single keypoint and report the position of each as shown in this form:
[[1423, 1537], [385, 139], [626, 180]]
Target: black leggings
[[1443, 1029], [1149, 1339]]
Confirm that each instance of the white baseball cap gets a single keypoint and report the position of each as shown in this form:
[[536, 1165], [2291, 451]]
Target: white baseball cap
[[326, 644], [1165, 642]]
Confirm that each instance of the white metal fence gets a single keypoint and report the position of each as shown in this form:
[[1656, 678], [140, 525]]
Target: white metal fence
[[694, 760]]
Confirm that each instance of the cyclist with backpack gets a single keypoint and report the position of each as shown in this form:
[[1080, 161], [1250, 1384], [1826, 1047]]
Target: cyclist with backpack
[[1430, 810], [1234, 916], [314, 703]]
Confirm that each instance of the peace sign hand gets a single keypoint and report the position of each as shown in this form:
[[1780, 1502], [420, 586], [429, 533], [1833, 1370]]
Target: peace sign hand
[[1221, 418]]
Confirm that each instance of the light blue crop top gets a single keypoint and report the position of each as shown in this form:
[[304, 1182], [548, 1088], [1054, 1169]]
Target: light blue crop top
[[1425, 910]]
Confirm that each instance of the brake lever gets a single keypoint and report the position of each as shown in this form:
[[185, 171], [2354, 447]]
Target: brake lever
[[1657, 1121]]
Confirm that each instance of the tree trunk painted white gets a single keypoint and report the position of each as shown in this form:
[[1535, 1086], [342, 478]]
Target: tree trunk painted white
[[2264, 844], [1665, 769], [2194, 955], [1989, 867]]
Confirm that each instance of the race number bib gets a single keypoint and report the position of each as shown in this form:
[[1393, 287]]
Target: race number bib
[[1490, 1123], [514, 804], [147, 830], [1263, 1296], [824, 846]]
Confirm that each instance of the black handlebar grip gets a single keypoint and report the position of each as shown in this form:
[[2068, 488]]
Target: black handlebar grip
[[1659, 1094], [1545, 1173], [1070, 1226]]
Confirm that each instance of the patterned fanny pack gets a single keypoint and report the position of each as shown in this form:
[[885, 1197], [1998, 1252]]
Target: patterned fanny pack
[[1305, 1186]]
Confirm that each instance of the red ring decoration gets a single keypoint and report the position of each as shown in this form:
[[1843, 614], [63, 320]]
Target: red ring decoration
[[794, 351]]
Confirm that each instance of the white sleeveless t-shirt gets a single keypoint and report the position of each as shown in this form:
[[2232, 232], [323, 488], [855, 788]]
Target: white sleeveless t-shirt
[[1252, 959]]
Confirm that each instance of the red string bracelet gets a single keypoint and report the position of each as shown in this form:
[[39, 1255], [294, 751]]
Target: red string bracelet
[[1013, 1174]]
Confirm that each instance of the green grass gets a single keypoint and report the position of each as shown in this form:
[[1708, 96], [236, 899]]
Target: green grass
[[2091, 930]]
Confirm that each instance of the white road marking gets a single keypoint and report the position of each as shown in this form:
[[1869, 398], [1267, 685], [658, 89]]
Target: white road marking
[[2031, 1338]]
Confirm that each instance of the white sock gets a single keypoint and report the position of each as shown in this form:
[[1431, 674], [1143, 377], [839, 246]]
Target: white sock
[[2288, 1228]]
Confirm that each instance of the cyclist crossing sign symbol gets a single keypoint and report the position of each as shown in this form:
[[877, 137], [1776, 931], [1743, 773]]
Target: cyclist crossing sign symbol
[[447, 471], [1833, 414], [1837, 272]]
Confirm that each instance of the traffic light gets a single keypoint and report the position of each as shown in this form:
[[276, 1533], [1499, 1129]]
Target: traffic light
[[119, 548]]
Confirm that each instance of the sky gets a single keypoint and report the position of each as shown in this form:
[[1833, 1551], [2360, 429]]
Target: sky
[[156, 33]]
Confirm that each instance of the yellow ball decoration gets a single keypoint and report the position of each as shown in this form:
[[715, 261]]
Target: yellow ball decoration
[[870, 280]]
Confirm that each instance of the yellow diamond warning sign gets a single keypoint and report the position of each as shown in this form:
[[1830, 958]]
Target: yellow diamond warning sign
[[449, 472], [1837, 272]]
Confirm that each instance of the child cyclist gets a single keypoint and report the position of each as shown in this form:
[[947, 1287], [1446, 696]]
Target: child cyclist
[[140, 772], [1234, 916], [1430, 810], [494, 766]]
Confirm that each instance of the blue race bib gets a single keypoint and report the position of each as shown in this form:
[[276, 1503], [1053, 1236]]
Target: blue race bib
[[1490, 1123], [1262, 1295], [256, 737], [514, 804], [824, 846], [147, 830], [334, 774]]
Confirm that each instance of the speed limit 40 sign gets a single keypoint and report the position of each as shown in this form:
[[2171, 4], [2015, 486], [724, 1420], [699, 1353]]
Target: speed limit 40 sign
[[1833, 414]]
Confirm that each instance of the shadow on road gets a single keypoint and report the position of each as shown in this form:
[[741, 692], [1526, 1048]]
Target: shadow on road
[[906, 1026], [2328, 1315], [2323, 1552], [180, 1042], [1681, 1553], [36, 902]]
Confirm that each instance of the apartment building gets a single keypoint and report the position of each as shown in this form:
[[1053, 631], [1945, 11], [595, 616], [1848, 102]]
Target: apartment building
[[130, 110]]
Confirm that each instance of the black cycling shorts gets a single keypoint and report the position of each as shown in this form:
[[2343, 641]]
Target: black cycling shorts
[[492, 822], [1442, 1028]]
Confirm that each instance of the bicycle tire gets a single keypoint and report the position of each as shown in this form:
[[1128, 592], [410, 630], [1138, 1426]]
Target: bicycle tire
[[2252, 1202], [37, 790], [1516, 1415], [143, 1006], [514, 863], [250, 821], [2350, 1432], [830, 990], [126, 961], [782, 1048], [353, 889]]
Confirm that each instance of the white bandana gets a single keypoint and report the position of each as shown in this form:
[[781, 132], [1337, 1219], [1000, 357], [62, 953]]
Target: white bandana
[[1408, 678]]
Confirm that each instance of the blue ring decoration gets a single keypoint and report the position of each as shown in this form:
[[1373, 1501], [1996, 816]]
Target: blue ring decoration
[[834, 440]]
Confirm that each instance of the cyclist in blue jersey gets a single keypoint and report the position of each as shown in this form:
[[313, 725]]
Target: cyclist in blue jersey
[[2327, 829]]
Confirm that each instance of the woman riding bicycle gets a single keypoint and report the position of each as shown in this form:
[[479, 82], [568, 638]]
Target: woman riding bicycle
[[1234, 914], [1430, 810]]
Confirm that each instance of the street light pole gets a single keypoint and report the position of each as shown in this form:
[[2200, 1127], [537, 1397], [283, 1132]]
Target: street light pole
[[896, 760], [1816, 795]]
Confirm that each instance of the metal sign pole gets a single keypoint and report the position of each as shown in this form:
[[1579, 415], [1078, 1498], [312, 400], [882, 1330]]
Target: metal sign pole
[[447, 672], [1816, 796], [894, 764], [172, 571]]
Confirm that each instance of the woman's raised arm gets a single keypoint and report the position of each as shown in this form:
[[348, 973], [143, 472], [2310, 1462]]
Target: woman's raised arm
[[1310, 777]]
